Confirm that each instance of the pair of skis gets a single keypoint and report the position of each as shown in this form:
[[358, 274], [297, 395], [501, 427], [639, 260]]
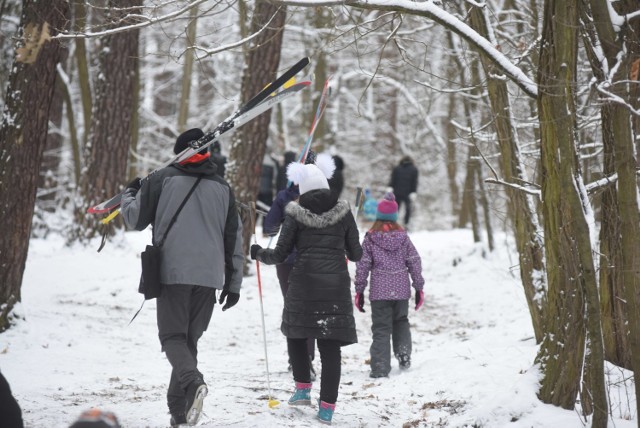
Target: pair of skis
[[260, 103]]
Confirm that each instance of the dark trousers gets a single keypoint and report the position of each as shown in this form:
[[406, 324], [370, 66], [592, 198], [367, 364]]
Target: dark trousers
[[407, 209], [389, 322], [283, 270], [330, 360], [184, 313]]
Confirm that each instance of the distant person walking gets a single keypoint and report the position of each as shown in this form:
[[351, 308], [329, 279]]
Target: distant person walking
[[336, 182], [202, 253], [281, 170], [404, 183], [218, 158], [391, 259], [317, 303]]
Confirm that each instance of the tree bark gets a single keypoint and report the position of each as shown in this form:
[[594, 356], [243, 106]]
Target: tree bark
[[84, 81], [521, 210], [249, 142], [187, 70], [107, 153], [23, 135], [618, 122], [570, 268]]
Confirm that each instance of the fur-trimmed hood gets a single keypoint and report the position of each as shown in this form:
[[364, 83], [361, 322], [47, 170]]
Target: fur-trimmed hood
[[317, 221]]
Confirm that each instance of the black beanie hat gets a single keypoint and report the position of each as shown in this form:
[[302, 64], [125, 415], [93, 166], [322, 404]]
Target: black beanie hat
[[183, 140]]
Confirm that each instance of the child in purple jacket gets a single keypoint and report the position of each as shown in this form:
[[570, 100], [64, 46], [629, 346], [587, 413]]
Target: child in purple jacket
[[391, 258]]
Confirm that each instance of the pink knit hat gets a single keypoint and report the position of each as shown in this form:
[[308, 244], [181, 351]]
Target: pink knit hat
[[387, 208]]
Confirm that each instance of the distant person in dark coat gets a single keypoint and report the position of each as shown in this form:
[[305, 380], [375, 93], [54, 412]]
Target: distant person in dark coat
[[318, 302], [404, 182], [281, 173], [218, 158], [336, 183], [267, 185]]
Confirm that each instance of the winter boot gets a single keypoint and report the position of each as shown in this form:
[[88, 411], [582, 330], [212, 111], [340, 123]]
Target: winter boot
[[177, 419], [404, 361], [302, 395], [196, 391], [325, 412]]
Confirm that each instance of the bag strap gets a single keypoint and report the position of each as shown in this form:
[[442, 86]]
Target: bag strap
[[175, 216]]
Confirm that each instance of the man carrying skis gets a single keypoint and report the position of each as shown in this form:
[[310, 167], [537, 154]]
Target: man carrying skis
[[201, 253]]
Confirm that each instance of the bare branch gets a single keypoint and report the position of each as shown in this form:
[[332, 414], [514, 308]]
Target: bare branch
[[447, 20], [146, 21], [530, 191], [236, 44]]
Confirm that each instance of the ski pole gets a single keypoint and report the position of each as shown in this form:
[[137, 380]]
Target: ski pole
[[272, 402], [359, 200]]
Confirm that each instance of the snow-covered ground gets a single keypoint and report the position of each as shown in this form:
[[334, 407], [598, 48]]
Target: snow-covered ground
[[472, 357]]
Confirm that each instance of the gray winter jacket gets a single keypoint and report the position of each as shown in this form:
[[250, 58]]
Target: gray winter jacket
[[204, 246]]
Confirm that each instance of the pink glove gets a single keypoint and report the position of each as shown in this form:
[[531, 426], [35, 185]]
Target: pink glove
[[359, 301], [419, 298]]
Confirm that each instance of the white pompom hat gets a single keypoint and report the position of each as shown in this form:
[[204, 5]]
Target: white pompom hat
[[312, 176]]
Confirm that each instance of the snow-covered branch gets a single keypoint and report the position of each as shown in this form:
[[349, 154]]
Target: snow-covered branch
[[529, 190], [429, 10], [599, 184], [144, 21]]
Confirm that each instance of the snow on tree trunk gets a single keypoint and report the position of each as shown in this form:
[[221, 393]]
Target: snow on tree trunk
[[23, 136], [573, 304]]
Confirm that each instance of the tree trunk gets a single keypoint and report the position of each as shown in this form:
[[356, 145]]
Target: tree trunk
[[323, 20], [49, 180], [521, 210], [80, 18], [107, 153], [570, 268], [486, 209], [23, 135], [472, 168], [249, 141], [187, 70], [612, 286], [621, 135]]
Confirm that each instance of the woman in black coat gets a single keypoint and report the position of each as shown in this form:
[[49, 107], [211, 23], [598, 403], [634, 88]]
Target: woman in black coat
[[318, 301]]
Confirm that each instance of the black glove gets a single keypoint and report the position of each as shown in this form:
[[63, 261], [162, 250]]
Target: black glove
[[135, 184], [232, 299], [254, 251]]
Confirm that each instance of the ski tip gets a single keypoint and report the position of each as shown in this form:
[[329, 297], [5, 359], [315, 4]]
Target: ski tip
[[96, 210]]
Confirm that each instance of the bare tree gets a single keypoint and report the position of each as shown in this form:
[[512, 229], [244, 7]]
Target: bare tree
[[110, 135], [570, 267], [614, 71], [249, 142], [23, 136]]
